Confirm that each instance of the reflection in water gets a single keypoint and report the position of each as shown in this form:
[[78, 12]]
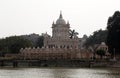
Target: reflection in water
[[59, 73]]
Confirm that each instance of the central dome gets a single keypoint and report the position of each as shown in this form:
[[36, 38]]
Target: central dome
[[60, 20]]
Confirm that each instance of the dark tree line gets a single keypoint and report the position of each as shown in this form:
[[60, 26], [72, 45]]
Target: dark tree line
[[13, 44], [40, 42], [97, 37], [113, 38]]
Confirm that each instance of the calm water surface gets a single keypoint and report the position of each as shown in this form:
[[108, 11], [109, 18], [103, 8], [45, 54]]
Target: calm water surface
[[59, 73]]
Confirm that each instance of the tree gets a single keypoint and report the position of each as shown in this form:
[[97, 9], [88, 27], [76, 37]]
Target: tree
[[72, 33], [97, 37], [113, 38], [33, 38], [13, 44], [40, 42], [101, 53]]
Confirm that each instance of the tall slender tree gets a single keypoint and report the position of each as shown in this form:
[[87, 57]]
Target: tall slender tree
[[113, 37]]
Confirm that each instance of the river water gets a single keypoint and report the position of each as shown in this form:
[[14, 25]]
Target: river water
[[59, 73]]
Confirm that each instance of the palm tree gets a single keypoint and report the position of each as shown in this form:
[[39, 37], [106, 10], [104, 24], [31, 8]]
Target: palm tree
[[72, 33]]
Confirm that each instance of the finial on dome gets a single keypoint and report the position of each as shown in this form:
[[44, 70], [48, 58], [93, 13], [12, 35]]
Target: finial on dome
[[60, 20], [60, 14]]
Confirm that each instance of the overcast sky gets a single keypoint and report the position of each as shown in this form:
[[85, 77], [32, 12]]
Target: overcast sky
[[19, 17]]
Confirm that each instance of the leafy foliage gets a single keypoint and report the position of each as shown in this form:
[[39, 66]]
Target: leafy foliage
[[113, 38], [13, 44], [100, 52], [40, 42], [97, 37]]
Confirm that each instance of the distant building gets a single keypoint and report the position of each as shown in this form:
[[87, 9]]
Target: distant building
[[104, 47], [61, 36], [101, 46], [82, 42], [63, 44]]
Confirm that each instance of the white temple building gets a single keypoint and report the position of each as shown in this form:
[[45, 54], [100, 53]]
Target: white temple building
[[63, 44], [62, 36]]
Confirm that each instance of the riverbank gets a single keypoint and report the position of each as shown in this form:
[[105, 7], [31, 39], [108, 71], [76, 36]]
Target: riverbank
[[60, 63], [74, 67]]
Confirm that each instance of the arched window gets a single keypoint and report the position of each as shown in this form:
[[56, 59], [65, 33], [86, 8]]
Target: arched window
[[61, 46], [64, 46], [67, 47]]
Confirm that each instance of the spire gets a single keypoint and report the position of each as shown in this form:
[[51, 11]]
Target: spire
[[60, 20], [60, 14], [67, 22]]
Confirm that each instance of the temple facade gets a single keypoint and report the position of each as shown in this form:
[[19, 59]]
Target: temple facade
[[63, 44], [62, 36]]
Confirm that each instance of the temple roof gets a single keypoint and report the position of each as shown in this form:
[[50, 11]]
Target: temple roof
[[60, 20]]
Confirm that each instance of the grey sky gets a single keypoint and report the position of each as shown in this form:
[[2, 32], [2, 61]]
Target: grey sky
[[18, 17]]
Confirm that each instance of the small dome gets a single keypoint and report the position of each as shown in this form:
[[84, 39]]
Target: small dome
[[60, 20], [102, 43]]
